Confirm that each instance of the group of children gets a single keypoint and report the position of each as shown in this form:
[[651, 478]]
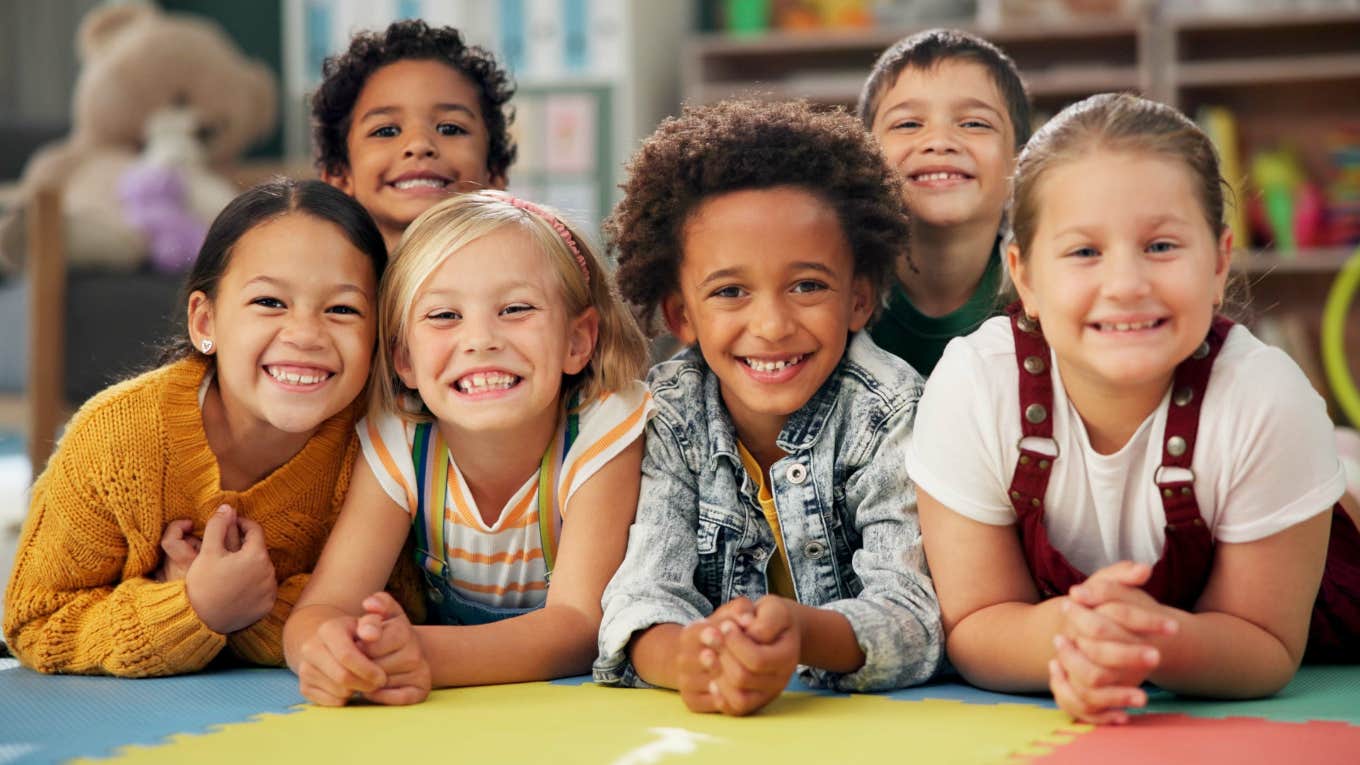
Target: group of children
[[443, 469]]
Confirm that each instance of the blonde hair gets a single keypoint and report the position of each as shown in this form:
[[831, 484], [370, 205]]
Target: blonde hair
[[620, 353], [1119, 122]]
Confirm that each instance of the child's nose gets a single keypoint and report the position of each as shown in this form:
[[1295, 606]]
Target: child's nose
[[1125, 275], [939, 139], [419, 144], [303, 331], [772, 321], [479, 335]]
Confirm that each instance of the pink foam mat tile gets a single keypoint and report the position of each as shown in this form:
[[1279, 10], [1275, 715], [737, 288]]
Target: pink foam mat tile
[[1169, 739]]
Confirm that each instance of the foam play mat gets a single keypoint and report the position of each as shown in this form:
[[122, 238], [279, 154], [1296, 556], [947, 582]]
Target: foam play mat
[[256, 715]]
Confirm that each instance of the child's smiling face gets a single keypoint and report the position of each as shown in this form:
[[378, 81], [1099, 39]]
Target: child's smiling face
[[767, 289], [417, 135], [946, 131], [1123, 271]]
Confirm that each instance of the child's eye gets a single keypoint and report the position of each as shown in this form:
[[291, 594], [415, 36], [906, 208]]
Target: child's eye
[[906, 125], [516, 308], [268, 302], [1084, 252], [348, 310], [809, 285], [1161, 248], [443, 315], [728, 292], [976, 125], [449, 128], [386, 131]]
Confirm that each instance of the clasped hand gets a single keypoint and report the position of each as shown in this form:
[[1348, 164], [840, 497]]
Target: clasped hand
[[1103, 649], [740, 658], [228, 576], [376, 657]]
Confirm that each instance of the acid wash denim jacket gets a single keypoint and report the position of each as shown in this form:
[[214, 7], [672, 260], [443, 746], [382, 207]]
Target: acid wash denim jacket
[[845, 505]]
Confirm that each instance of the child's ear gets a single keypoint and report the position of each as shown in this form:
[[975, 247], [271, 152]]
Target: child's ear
[[342, 180], [201, 324], [585, 330], [1222, 262], [862, 303], [1015, 266], [401, 364], [497, 181], [677, 319]]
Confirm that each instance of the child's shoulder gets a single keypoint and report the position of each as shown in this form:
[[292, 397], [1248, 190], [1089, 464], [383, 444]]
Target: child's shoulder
[[139, 400], [680, 380], [1248, 369]]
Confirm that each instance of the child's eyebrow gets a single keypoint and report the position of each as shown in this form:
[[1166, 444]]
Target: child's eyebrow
[[802, 265], [913, 104], [282, 284], [386, 111]]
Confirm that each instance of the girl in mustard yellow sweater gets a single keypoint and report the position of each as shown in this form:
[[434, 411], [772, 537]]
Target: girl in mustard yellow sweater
[[183, 509]]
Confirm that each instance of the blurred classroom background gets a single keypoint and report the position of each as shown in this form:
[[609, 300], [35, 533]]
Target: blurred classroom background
[[1276, 83]]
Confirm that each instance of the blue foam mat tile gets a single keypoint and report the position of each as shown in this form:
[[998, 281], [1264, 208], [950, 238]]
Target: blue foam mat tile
[[52, 718]]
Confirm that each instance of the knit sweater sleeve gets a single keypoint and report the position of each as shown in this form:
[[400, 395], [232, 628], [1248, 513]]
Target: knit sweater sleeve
[[80, 599], [262, 642]]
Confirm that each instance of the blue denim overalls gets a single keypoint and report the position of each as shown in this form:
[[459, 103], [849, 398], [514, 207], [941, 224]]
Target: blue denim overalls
[[445, 605]]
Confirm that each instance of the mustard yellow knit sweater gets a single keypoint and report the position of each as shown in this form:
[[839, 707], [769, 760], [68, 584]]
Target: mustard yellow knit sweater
[[134, 458]]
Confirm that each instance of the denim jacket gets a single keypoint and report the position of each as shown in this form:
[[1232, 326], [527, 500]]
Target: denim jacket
[[846, 508]]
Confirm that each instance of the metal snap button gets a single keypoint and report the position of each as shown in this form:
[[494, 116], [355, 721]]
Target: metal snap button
[[1201, 351], [814, 550], [797, 473], [1025, 323], [1183, 395], [436, 596], [758, 555], [1175, 446], [1035, 365], [1036, 413]]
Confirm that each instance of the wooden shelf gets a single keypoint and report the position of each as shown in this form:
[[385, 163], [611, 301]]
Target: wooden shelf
[[1261, 71], [1322, 260]]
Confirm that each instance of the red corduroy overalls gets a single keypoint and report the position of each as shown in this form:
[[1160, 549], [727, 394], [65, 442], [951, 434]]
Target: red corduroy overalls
[[1180, 574]]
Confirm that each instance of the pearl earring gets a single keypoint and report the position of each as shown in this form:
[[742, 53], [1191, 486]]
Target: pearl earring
[[206, 345]]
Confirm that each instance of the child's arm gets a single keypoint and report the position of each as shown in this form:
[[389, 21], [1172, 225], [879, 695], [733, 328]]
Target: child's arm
[[75, 603], [318, 638], [559, 639], [1249, 628], [888, 636], [652, 608]]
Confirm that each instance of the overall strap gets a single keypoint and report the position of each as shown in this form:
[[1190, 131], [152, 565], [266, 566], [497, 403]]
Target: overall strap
[[1188, 385], [549, 510], [430, 455]]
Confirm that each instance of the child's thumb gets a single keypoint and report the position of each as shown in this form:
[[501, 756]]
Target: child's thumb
[[215, 530]]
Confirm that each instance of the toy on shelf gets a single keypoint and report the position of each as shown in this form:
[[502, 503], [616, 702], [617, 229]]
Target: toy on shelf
[[1343, 192]]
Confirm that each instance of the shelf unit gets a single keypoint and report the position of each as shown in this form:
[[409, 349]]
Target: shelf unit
[[1290, 79]]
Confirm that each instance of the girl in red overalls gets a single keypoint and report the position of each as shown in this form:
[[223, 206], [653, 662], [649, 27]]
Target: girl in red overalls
[[1116, 485]]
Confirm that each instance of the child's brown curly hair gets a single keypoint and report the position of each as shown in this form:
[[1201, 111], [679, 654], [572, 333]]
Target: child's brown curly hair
[[345, 75], [741, 145]]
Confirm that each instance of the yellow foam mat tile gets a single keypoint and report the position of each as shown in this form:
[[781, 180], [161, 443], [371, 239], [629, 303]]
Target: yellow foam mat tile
[[590, 724]]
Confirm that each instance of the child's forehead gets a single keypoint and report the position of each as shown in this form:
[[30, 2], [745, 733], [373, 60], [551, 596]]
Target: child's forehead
[[416, 79], [954, 80]]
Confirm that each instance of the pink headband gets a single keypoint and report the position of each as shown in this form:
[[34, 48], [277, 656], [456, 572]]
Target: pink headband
[[558, 226]]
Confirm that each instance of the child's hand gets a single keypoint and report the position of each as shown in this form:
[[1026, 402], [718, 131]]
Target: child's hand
[[231, 590], [1103, 649], [696, 660], [180, 547], [386, 636], [331, 666], [758, 655]]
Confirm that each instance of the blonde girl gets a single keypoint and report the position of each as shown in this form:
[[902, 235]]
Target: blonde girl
[[1116, 484], [506, 439]]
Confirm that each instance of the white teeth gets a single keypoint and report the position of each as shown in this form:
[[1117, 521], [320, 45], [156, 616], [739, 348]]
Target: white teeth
[[293, 378], [482, 382], [411, 183], [1127, 326], [942, 176], [771, 366]]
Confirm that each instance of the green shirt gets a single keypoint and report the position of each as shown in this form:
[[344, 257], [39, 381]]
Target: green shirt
[[919, 339]]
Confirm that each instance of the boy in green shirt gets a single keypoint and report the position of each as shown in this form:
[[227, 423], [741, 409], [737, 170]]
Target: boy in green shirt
[[950, 113]]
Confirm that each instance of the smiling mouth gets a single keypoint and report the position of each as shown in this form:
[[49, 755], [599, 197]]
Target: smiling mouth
[[486, 382], [772, 365], [1134, 326], [939, 176], [292, 376], [420, 183]]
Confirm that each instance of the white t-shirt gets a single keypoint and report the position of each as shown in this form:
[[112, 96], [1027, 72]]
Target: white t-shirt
[[1264, 460], [501, 564]]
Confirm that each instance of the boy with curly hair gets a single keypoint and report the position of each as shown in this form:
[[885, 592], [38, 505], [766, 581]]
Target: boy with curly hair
[[410, 115], [776, 528], [950, 113]]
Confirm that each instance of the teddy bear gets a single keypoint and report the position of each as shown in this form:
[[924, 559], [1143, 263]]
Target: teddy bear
[[140, 63]]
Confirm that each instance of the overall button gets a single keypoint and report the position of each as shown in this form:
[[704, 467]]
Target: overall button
[[814, 550], [1035, 365], [437, 596], [1176, 446], [1036, 413], [796, 473]]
